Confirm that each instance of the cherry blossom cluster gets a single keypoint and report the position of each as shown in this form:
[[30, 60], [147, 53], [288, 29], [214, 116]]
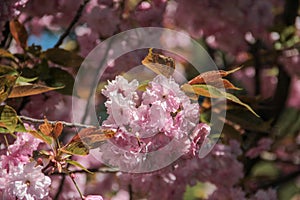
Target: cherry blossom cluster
[[147, 121], [19, 176]]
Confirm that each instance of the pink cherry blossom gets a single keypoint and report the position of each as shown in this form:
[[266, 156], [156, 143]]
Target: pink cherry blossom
[[20, 151], [24, 182], [223, 23], [148, 121], [93, 197]]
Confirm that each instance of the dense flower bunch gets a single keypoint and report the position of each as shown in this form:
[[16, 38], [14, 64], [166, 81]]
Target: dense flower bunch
[[152, 125], [149, 120], [20, 177]]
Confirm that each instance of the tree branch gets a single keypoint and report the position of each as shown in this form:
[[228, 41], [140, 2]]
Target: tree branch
[[60, 187], [68, 124], [74, 21], [100, 170]]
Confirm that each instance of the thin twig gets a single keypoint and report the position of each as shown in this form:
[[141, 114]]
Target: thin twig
[[100, 170], [6, 36], [77, 188], [130, 192], [68, 124], [60, 188], [74, 21]]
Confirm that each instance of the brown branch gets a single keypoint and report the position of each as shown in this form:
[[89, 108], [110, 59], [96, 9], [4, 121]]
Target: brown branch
[[100, 170], [68, 124], [6, 36], [74, 21], [60, 188]]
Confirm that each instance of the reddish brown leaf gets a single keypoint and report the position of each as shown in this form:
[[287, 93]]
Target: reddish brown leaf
[[46, 128], [211, 76], [86, 139], [19, 33], [57, 130], [40, 135], [229, 85], [29, 90], [159, 64], [213, 92], [223, 83], [93, 135]]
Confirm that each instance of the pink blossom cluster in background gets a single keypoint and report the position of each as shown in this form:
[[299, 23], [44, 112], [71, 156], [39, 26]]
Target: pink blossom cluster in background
[[170, 182], [225, 24]]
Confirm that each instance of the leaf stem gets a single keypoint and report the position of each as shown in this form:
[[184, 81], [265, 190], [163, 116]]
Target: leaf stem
[[77, 188]]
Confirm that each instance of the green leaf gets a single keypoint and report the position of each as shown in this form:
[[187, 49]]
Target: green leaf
[[19, 33], [6, 85], [41, 136], [63, 57], [6, 54], [213, 92], [7, 70], [59, 78], [76, 148], [21, 80], [29, 90], [233, 98], [88, 138], [143, 86], [75, 163], [201, 190], [288, 122], [8, 118], [202, 90], [19, 128], [265, 169]]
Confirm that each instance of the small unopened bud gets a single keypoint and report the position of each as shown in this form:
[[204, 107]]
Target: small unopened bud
[[72, 175], [39, 161]]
